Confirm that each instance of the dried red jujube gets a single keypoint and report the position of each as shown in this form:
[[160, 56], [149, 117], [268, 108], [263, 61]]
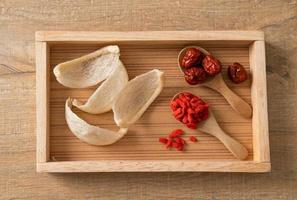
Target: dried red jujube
[[192, 57], [195, 75], [237, 73], [211, 65]]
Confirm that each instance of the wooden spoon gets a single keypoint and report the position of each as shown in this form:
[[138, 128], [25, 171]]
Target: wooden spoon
[[218, 84], [212, 127]]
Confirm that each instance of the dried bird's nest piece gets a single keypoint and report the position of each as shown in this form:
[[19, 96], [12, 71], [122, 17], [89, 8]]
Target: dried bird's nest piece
[[129, 100], [88, 70], [102, 99], [88, 133], [136, 97]]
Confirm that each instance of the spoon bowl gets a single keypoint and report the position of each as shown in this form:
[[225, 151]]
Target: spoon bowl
[[218, 84]]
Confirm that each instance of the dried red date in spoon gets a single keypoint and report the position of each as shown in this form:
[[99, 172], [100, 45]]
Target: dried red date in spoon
[[211, 65], [195, 75], [218, 84], [192, 57]]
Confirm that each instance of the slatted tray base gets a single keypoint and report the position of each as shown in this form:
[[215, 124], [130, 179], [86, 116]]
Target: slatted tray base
[[141, 141]]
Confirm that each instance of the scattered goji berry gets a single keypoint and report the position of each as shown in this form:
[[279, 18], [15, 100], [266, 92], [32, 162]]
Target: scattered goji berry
[[176, 133], [183, 141], [175, 140], [179, 140], [180, 147], [169, 143], [193, 138], [163, 140], [175, 144]]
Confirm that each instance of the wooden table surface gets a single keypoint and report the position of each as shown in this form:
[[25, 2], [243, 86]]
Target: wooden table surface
[[20, 19]]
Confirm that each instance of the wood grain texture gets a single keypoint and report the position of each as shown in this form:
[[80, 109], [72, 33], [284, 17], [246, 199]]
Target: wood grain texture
[[20, 19], [157, 121], [259, 92], [42, 101], [153, 166], [154, 36]]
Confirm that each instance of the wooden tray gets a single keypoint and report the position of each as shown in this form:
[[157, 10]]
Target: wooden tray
[[58, 150]]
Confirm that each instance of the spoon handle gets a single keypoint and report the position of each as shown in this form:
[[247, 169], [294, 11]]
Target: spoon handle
[[237, 149], [237, 103]]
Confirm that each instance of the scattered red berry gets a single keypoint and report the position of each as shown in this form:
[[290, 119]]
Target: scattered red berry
[[169, 144], [163, 140], [175, 140], [193, 138], [179, 140], [176, 133]]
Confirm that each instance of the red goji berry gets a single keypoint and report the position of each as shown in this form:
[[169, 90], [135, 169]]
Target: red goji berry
[[173, 105], [169, 144], [179, 116], [174, 140], [191, 125], [182, 97], [193, 100], [193, 138], [177, 111], [183, 110], [198, 109], [180, 103], [187, 94], [180, 147], [175, 145], [176, 133], [190, 111], [185, 119], [163, 140], [183, 141], [179, 140]]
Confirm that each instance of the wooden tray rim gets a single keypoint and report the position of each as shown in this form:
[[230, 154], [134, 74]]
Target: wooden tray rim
[[261, 162]]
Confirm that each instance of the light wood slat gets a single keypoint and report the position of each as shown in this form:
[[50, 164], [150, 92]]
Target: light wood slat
[[148, 36], [150, 116], [150, 165], [208, 95], [221, 158], [176, 82], [234, 129], [157, 120], [259, 98], [42, 101]]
